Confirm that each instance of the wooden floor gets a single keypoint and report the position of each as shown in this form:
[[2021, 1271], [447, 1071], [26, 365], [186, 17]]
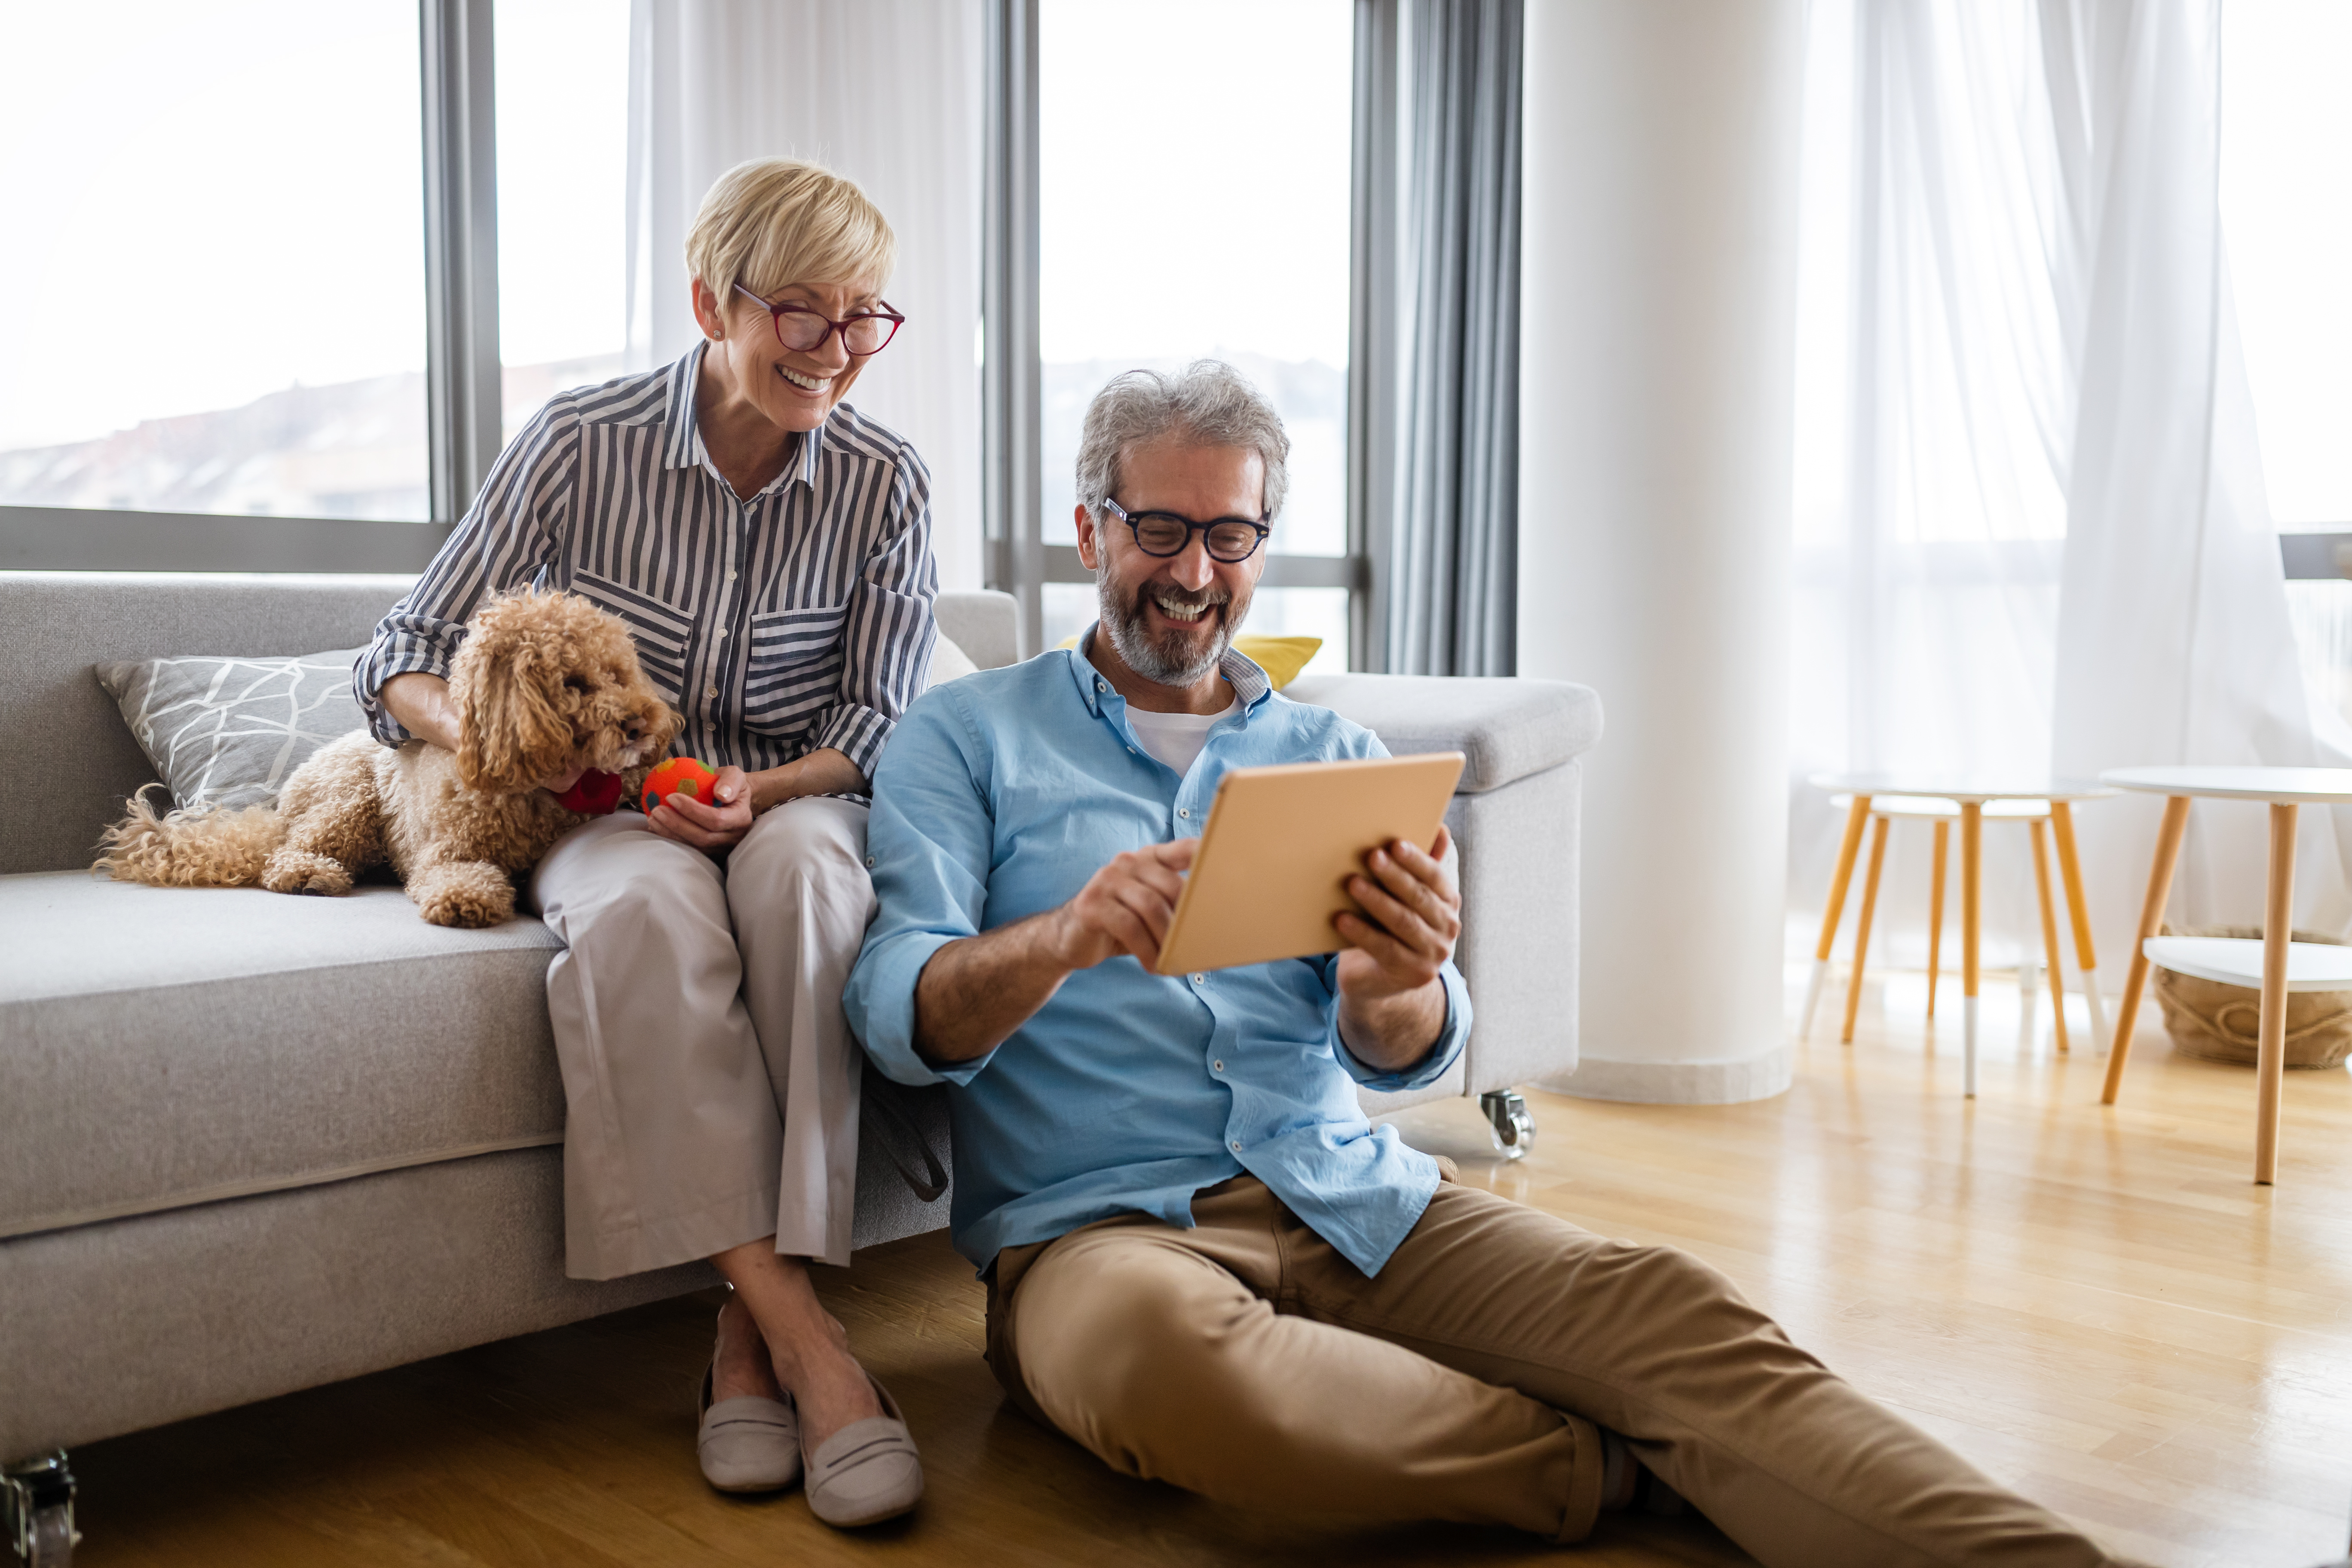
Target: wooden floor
[[2096, 1305]]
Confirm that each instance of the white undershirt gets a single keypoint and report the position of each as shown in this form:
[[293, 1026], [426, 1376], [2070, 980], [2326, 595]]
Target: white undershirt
[[1177, 738]]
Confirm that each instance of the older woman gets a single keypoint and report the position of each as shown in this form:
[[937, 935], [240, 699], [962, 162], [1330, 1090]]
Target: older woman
[[769, 549]]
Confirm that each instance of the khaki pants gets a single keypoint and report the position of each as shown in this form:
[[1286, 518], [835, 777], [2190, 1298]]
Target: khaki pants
[[712, 1081], [1247, 1361]]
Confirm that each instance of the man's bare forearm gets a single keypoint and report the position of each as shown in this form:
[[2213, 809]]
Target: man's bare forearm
[[422, 704], [976, 991], [1393, 1032]]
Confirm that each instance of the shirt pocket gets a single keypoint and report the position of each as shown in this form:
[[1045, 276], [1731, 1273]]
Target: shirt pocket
[[793, 666], [659, 628]]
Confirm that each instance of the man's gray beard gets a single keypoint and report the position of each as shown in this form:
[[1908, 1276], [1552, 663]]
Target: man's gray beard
[[1167, 664]]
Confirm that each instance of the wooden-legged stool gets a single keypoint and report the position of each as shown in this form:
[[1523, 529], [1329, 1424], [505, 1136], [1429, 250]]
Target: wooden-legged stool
[[2276, 964], [1880, 796]]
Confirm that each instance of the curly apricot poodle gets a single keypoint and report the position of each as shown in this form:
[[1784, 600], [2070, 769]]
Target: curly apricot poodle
[[544, 682]]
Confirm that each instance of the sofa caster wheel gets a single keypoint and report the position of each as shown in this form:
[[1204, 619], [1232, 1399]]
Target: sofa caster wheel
[[36, 1511], [1507, 1122]]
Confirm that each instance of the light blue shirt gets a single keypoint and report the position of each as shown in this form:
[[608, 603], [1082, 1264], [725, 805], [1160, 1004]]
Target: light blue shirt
[[997, 797]]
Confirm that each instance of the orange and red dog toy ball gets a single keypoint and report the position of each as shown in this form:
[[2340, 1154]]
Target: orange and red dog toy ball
[[679, 775]]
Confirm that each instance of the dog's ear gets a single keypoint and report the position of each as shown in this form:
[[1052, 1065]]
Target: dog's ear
[[510, 732]]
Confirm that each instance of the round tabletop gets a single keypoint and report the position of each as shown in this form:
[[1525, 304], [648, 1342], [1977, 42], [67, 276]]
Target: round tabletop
[[2280, 786], [1960, 786]]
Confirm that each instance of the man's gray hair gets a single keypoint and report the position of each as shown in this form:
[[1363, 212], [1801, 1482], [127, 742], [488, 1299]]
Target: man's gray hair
[[1209, 402]]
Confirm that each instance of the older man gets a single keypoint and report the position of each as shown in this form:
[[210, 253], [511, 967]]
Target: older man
[[1203, 1264]]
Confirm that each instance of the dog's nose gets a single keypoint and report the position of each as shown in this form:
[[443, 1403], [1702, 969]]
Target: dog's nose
[[636, 731]]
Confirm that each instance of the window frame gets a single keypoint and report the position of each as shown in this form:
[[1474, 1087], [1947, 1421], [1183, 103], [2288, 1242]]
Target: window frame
[[462, 369]]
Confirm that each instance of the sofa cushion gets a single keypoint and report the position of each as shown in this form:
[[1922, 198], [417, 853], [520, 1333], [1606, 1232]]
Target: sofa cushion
[[229, 731], [162, 1047], [1506, 728]]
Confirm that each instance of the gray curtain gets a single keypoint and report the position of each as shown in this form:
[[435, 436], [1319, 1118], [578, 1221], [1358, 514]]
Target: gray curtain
[[1452, 560]]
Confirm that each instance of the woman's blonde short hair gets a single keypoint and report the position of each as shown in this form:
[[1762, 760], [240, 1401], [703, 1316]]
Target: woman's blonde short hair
[[775, 221]]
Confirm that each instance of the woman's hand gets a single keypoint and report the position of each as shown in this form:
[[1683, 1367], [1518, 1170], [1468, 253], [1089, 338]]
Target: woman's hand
[[742, 796], [422, 704], [711, 828]]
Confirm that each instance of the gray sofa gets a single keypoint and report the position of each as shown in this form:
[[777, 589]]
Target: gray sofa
[[251, 1143]]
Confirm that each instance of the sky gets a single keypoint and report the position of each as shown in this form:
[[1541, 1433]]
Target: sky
[[210, 203]]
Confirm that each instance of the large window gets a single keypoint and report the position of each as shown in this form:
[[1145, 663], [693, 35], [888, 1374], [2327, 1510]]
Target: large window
[[2286, 208], [1193, 192], [562, 70], [212, 295], [2286, 170]]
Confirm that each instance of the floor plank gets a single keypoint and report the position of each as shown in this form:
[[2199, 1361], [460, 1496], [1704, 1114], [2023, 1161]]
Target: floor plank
[[2095, 1305]]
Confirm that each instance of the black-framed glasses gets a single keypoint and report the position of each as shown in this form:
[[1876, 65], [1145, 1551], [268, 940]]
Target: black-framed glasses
[[1230, 540], [803, 329]]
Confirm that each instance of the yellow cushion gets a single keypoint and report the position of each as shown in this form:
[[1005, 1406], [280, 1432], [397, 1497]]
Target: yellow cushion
[[1281, 657]]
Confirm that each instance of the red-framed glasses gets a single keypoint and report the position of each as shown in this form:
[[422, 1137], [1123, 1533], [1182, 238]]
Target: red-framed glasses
[[803, 329]]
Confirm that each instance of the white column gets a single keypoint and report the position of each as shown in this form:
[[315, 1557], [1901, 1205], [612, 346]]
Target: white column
[[1656, 358]]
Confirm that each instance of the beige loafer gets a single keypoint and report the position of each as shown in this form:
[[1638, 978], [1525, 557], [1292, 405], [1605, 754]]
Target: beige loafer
[[866, 1472], [747, 1444]]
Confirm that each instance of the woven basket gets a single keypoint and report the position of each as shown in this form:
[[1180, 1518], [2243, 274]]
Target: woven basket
[[2215, 1022]]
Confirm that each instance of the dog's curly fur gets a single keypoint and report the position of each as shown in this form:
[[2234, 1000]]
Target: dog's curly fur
[[544, 682]]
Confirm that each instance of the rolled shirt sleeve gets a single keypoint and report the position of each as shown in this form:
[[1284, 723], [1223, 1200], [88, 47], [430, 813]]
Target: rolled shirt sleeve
[[506, 538], [929, 844], [891, 628]]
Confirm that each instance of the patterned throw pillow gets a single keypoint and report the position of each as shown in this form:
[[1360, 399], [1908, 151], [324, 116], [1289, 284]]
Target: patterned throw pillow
[[228, 731]]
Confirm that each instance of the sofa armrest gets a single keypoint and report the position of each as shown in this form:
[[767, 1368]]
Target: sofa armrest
[[1506, 728]]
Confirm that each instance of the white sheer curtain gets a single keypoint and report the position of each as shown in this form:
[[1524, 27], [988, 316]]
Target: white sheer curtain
[[2030, 528], [892, 94]]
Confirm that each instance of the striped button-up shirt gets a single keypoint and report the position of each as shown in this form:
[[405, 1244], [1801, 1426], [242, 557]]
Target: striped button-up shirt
[[798, 619]]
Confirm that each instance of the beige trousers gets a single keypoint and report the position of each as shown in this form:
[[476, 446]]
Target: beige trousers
[[712, 1081], [1246, 1359]]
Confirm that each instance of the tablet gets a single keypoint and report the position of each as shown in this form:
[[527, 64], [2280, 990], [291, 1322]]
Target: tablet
[[1274, 862]]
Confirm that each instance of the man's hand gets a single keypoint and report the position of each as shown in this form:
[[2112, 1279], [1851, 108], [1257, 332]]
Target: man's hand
[[1124, 907], [713, 827], [977, 990], [1391, 1001]]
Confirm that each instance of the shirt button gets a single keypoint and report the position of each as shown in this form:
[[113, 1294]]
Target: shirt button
[[1200, 980], [1236, 1145], [869, 862], [722, 634], [1216, 1067], [1102, 686], [731, 577], [711, 692]]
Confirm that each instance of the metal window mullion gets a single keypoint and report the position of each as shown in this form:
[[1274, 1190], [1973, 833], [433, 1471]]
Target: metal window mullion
[[1373, 341], [1011, 404], [462, 372]]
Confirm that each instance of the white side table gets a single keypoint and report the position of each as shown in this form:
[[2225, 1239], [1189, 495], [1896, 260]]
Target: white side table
[[2286, 965], [1975, 799]]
